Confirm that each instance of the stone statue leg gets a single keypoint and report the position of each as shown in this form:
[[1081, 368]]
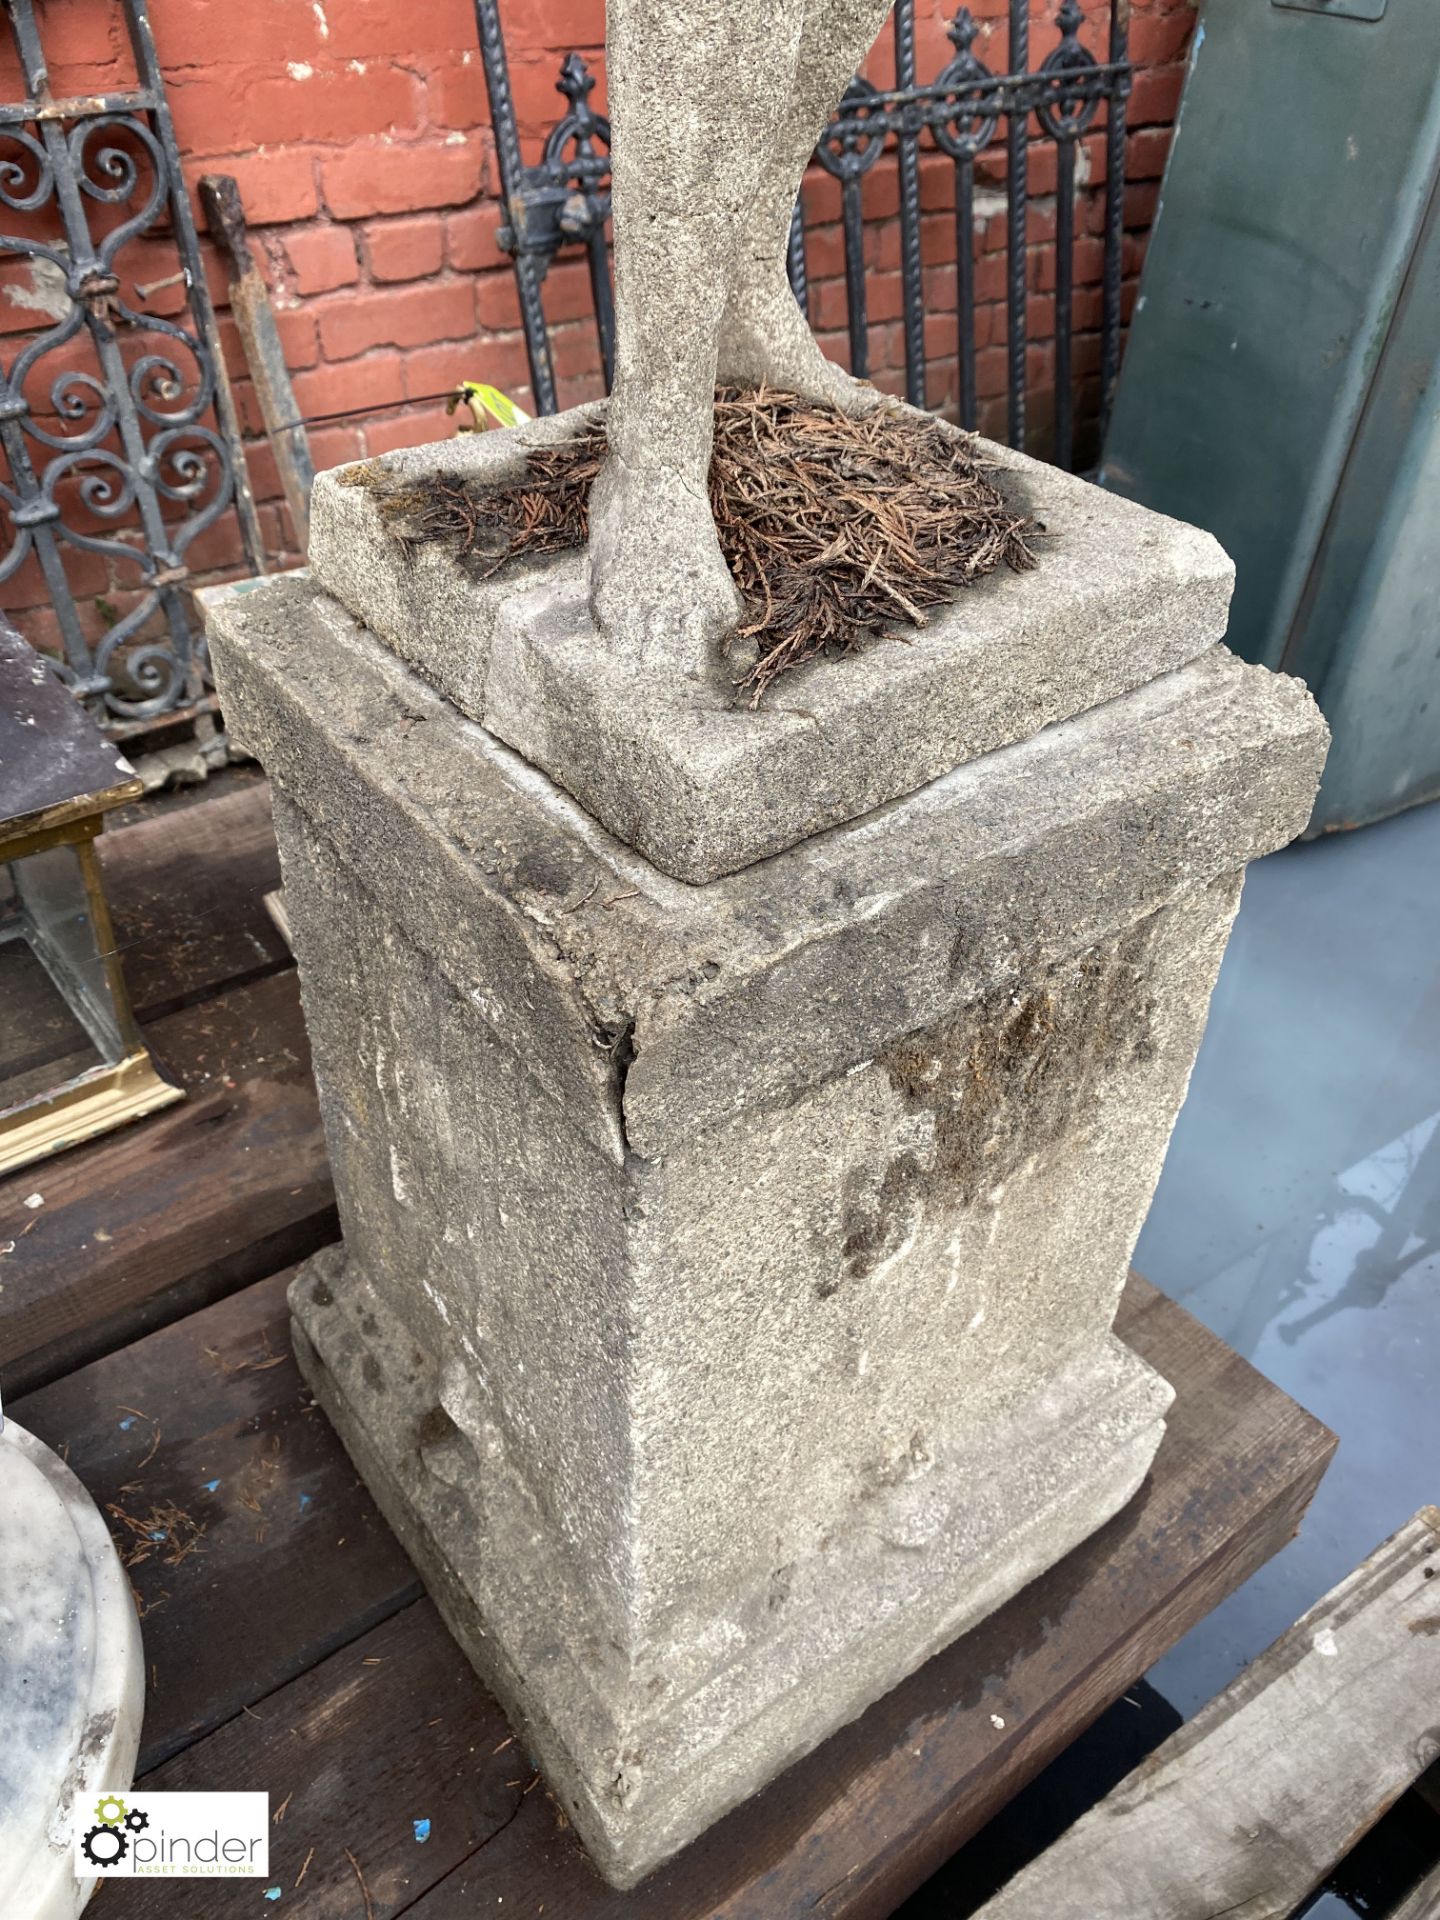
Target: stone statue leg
[[697, 97], [764, 335]]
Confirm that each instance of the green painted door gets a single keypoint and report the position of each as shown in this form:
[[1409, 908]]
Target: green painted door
[[1281, 385]]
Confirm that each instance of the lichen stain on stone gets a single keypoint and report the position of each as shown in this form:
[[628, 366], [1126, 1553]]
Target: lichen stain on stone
[[877, 1230], [1016, 1073], [435, 1426], [541, 873], [96, 1737], [363, 473]]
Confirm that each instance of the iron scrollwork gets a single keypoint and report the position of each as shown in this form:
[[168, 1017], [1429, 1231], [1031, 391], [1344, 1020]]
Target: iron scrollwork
[[565, 198], [970, 92], [850, 146], [1071, 85], [129, 449]]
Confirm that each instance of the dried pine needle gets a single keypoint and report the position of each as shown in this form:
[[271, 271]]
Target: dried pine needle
[[835, 529]]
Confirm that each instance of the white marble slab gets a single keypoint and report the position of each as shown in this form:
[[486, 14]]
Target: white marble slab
[[71, 1674]]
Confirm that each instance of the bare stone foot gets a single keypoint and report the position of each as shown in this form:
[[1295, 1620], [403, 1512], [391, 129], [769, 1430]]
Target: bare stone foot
[[766, 340], [660, 590]]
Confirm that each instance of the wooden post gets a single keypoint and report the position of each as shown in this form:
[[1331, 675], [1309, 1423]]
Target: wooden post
[[250, 303]]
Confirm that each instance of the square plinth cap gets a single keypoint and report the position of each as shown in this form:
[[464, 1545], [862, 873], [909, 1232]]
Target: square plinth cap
[[689, 773]]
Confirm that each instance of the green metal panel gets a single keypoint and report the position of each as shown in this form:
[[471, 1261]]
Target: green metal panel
[[1280, 382], [1367, 629]]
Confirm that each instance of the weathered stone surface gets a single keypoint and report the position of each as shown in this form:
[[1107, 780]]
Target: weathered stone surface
[[724, 996], [647, 1749], [724, 1317], [702, 785], [434, 614], [701, 202]]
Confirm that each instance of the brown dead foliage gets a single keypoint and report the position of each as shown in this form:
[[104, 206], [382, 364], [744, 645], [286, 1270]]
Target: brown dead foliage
[[835, 529], [166, 1533]]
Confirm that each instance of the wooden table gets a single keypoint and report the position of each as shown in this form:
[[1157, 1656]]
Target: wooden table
[[289, 1645]]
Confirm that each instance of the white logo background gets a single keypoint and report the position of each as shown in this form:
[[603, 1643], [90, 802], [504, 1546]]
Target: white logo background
[[178, 1836]]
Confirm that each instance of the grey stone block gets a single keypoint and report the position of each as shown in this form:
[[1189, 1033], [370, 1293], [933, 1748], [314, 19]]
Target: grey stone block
[[579, 952], [698, 782], [647, 1746], [724, 1317]]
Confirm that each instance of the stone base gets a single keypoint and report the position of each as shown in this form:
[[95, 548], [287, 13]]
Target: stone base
[[691, 776], [724, 1320], [647, 1746]]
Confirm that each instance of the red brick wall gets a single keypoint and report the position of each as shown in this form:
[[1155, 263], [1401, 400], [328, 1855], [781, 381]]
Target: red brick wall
[[358, 130]]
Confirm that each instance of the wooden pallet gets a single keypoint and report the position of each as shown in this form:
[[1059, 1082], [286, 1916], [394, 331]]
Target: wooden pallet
[[290, 1648], [1246, 1808], [1424, 1902]]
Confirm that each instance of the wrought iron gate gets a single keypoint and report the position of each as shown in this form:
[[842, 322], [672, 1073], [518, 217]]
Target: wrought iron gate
[[133, 459], [564, 200]]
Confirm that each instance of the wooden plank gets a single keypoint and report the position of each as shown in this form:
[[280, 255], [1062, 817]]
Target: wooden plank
[[178, 1210], [393, 1729], [271, 1552], [1245, 1809], [364, 1750], [186, 891], [1423, 1903]]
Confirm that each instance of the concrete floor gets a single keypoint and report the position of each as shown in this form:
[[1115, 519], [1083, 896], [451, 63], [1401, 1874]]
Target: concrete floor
[[1299, 1211]]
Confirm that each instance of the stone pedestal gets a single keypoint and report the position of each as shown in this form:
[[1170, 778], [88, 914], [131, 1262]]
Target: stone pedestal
[[724, 1313]]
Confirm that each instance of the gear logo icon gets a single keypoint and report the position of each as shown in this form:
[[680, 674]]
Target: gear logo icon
[[105, 1846], [108, 1842]]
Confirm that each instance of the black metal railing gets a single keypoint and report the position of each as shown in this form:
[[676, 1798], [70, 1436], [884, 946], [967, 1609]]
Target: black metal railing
[[564, 201], [135, 450]]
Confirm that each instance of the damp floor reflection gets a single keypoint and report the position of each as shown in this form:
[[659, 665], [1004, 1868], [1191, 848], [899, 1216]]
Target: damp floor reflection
[[1299, 1211], [1299, 1217]]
